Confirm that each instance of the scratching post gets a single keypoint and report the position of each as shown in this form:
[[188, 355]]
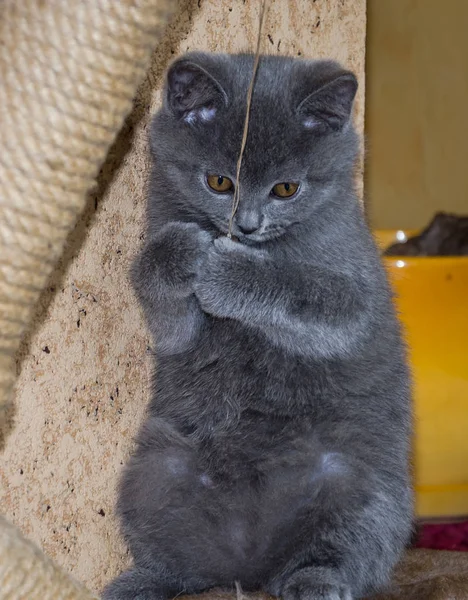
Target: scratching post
[[69, 70]]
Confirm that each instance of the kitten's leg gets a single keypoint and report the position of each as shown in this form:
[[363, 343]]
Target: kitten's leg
[[304, 308], [163, 277], [356, 538], [152, 584]]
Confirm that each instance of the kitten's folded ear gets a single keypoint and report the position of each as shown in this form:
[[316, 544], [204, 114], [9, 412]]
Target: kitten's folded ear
[[329, 107], [192, 94]]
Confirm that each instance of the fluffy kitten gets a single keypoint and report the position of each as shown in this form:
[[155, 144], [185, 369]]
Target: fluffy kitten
[[275, 449]]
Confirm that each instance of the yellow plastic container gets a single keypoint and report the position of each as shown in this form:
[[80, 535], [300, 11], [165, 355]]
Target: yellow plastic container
[[432, 299]]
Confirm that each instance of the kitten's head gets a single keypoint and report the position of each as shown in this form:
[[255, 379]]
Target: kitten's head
[[300, 152]]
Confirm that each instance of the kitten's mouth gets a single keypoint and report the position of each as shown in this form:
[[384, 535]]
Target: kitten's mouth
[[265, 235], [251, 239]]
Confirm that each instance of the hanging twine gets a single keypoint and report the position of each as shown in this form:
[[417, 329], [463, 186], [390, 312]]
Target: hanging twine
[[236, 198]]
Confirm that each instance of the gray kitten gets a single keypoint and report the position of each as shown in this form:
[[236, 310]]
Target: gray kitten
[[275, 449]]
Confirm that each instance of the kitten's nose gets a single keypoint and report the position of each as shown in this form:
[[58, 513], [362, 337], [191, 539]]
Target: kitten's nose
[[248, 221]]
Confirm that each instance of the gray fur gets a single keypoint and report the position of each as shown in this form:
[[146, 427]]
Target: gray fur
[[275, 449]]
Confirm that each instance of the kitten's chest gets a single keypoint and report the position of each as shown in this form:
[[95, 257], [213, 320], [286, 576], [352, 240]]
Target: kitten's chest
[[232, 370]]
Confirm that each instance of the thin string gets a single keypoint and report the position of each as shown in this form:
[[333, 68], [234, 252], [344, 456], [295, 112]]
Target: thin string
[[239, 592], [236, 199]]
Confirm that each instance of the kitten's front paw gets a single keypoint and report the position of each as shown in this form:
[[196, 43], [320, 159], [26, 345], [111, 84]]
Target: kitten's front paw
[[187, 243], [207, 285], [221, 279], [315, 584], [169, 262]]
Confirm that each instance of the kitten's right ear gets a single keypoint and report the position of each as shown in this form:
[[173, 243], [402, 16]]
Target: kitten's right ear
[[329, 107], [193, 95]]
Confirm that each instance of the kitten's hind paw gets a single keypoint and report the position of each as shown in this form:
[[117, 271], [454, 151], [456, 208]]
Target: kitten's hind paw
[[136, 584], [315, 584], [320, 591]]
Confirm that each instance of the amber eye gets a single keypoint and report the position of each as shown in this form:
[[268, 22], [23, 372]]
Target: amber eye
[[285, 189], [219, 183]]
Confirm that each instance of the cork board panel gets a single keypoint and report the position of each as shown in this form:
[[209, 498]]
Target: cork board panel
[[84, 365]]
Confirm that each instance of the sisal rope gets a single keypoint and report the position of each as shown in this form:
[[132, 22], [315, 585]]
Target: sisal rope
[[68, 72], [26, 573]]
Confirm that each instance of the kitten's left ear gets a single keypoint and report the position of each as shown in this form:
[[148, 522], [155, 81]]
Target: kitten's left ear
[[329, 107], [193, 94]]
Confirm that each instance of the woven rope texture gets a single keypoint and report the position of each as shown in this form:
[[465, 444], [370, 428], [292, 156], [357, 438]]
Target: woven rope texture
[[68, 70]]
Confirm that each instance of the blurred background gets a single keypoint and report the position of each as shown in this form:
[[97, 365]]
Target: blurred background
[[416, 120], [416, 188]]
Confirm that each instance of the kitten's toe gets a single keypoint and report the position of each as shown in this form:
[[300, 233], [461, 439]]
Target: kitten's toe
[[226, 244]]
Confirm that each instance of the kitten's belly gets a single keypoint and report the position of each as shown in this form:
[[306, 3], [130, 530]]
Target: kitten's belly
[[232, 511], [199, 524]]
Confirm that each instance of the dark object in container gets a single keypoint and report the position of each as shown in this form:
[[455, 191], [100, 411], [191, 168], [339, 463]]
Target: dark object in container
[[446, 235]]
